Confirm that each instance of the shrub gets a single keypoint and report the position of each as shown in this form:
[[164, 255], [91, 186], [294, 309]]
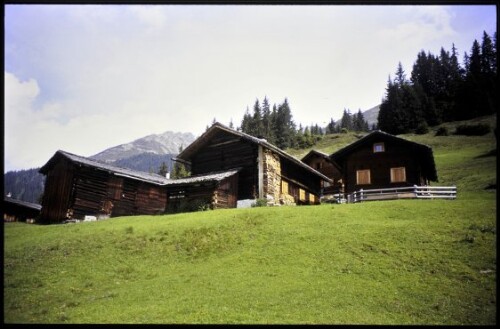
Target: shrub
[[442, 131], [422, 128], [260, 203], [344, 131], [479, 129]]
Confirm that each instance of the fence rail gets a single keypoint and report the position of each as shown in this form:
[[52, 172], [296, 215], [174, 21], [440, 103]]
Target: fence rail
[[409, 192]]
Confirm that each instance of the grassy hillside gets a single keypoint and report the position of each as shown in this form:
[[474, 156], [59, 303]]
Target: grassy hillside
[[389, 262]]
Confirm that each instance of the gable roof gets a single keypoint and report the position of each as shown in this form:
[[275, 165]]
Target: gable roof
[[118, 171], [25, 204], [315, 153], [136, 175], [211, 177], [423, 153], [204, 139]]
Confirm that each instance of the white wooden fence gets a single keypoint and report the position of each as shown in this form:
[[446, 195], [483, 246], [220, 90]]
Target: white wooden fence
[[409, 192]]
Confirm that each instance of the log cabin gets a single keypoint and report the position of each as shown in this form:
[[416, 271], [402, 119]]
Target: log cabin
[[381, 160], [265, 171], [76, 187], [322, 163]]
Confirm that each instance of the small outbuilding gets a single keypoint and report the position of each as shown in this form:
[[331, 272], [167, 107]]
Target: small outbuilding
[[76, 187], [322, 163], [381, 160], [19, 211]]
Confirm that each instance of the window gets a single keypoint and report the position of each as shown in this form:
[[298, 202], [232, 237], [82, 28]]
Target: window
[[284, 187], [363, 177], [378, 147], [398, 175], [312, 198], [302, 195]]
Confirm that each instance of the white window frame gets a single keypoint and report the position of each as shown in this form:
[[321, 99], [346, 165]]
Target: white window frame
[[376, 147]]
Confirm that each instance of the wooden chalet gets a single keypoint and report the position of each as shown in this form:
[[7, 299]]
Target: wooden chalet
[[76, 187], [322, 163], [19, 211], [265, 171], [380, 160]]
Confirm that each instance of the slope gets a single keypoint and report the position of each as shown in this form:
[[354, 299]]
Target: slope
[[390, 262]]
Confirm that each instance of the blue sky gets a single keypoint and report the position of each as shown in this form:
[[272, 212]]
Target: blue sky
[[85, 78]]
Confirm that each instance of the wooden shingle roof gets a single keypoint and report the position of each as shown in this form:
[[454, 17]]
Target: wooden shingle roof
[[134, 174], [201, 141]]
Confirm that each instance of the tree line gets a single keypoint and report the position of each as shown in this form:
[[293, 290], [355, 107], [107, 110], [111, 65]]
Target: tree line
[[277, 126], [441, 90]]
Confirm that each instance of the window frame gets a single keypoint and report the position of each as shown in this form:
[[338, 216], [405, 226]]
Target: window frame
[[394, 174], [376, 145], [358, 177]]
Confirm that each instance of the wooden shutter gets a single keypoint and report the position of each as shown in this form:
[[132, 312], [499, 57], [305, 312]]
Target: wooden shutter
[[363, 177], [398, 175]]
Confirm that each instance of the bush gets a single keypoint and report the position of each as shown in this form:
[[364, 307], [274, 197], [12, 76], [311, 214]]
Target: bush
[[422, 128], [442, 131], [479, 129], [260, 203], [344, 131]]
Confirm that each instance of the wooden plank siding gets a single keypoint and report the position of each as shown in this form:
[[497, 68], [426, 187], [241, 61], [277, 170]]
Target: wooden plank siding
[[262, 165], [224, 152], [76, 187], [57, 193], [380, 160]]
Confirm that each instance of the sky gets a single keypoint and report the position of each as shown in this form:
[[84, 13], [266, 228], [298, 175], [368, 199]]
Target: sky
[[83, 78]]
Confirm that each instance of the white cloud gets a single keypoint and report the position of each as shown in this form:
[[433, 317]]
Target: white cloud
[[105, 75]]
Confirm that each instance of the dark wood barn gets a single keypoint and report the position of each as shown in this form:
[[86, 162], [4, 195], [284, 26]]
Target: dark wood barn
[[381, 160], [19, 211], [215, 191], [322, 163], [265, 171], [77, 186]]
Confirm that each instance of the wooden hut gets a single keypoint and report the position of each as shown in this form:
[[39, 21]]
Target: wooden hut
[[265, 171], [322, 163], [216, 190], [19, 211], [380, 160], [76, 187]]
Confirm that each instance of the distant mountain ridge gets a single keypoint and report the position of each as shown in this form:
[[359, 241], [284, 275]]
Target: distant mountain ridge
[[371, 115], [144, 154], [159, 144]]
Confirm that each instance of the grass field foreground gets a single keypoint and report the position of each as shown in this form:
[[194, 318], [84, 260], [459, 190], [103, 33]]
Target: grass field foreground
[[390, 262]]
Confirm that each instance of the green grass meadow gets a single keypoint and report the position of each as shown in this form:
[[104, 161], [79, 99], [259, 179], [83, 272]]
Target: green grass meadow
[[416, 262]]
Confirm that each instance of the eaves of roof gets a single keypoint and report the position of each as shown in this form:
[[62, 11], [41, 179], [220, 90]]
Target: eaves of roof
[[189, 151]]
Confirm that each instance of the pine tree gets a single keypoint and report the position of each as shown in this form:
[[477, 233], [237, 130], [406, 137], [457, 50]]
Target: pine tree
[[163, 170], [330, 128], [346, 120], [246, 122], [284, 126], [257, 128], [267, 123]]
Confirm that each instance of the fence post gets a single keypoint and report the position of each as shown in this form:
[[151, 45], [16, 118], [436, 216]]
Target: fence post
[[361, 195], [415, 190]]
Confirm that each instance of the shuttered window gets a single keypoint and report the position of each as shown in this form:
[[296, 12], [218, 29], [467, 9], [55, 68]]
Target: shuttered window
[[284, 187], [398, 175], [302, 195], [363, 177]]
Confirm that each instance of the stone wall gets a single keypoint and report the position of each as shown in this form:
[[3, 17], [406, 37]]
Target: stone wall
[[272, 177], [272, 180]]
